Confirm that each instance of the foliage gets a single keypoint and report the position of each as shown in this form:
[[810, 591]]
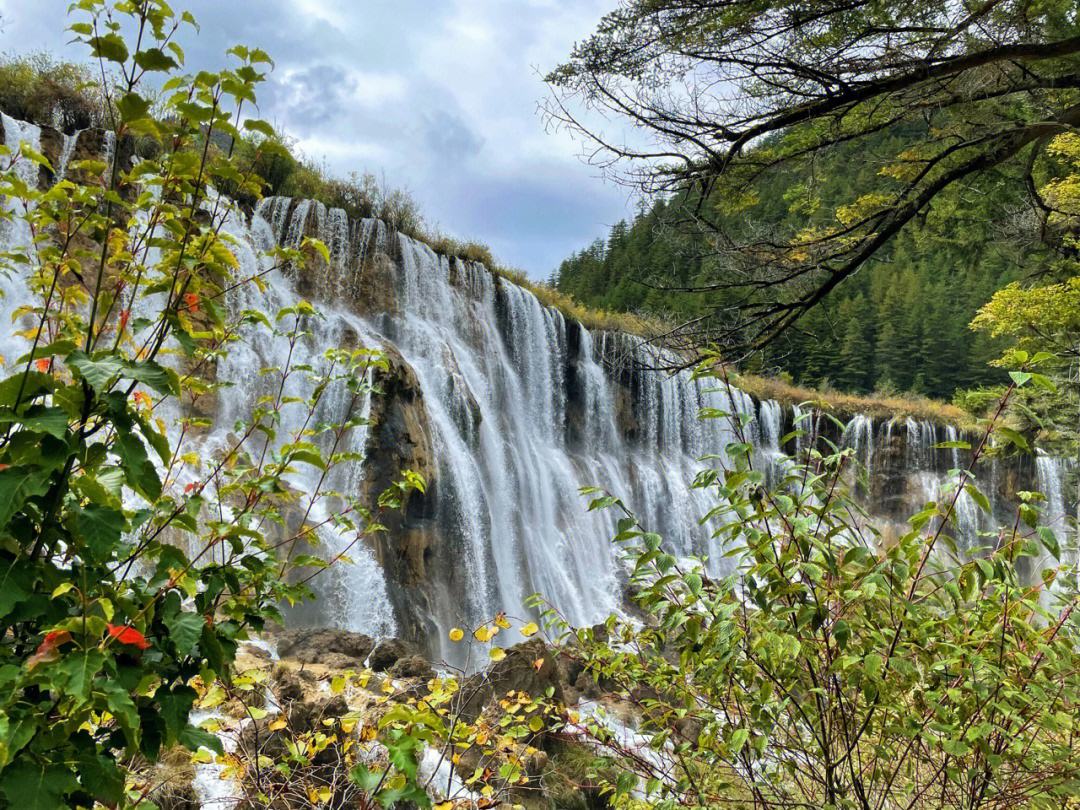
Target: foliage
[[809, 664], [361, 738], [50, 93], [132, 565], [898, 325], [728, 98]]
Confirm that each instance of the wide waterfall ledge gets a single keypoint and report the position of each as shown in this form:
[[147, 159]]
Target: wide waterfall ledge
[[508, 408]]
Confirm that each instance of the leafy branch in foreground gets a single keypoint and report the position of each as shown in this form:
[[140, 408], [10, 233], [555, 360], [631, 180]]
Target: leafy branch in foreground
[[833, 669], [131, 561]]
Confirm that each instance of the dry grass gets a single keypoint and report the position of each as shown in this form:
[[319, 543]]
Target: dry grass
[[593, 319], [847, 405]]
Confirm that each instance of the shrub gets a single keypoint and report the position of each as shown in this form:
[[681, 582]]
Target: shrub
[[59, 94], [131, 567], [831, 669]]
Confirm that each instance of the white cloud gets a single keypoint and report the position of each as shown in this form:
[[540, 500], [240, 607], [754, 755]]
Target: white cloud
[[440, 96]]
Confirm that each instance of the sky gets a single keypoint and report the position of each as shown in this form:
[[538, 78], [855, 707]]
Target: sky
[[439, 97]]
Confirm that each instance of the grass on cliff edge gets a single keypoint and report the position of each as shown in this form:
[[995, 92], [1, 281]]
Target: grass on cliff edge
[[885, 406]]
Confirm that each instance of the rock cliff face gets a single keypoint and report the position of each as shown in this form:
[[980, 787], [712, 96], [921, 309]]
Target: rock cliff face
[[506, 408]]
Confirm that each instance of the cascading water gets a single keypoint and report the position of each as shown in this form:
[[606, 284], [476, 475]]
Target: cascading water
[[521, 408], [15, 235]]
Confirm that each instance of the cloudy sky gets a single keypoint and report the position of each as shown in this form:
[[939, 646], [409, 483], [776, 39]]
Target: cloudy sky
[[437, 96]]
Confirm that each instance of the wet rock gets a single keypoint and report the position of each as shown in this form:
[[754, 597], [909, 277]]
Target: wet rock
[[255, 651], [286, 685], [529, 667], [386, 654], [412, 666], [340, 649]]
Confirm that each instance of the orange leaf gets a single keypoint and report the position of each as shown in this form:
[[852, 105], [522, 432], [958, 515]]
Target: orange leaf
[[128, 635]]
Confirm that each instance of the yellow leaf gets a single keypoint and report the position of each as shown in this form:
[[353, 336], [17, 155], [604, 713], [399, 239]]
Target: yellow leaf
[[530, 629], [502, 621], [60, 590], [278, 724], [482, 633], [443, 806], [457, 634], [497, 654]]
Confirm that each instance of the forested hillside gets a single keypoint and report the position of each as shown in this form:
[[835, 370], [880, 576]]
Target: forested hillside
[[901, 323]]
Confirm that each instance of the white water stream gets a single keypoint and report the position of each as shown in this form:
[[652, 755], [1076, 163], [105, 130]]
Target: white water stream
[[523, 409]]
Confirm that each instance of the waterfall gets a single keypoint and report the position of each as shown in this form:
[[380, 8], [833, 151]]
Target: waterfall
[[66, 153], [519, 409], [1050, 475], [15, 235]]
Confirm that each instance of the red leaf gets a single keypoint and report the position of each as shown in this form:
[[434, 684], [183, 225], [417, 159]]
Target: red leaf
[[49, 649], [191, 301], [129, 635]]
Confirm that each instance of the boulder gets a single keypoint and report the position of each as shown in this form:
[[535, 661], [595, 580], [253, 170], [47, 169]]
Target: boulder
[[286, 685], [412, 666], [530, 667], [339, 649], [386, 654]]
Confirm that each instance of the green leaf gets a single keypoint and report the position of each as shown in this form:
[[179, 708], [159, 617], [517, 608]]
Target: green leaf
[[1044, 382], [98, 374], [39, 419], [1013, 437], [193, 739], [841, 632], [738, 740], [154, 375], [32, 154], [366, 779], [80, 667], [955, 445], [101, 528], [110, 46], [155, 59], [17, 485], [123, 709], [34, 786], [976, 495], [175, 707], [1020, 378], [185, 630], [138, 469], [873, 664], [159, 442], [263, 128], [1049, 541]]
